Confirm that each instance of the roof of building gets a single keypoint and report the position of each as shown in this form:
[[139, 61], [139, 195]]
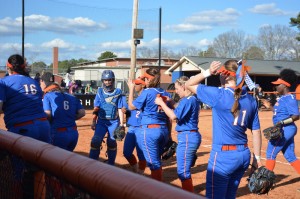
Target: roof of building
[[258, 67]]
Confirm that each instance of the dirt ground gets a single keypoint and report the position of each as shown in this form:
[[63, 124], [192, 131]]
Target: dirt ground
[[287, 182]]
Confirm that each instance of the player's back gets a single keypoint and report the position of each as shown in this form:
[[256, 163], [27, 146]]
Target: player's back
[[22, 99], [63, 108]]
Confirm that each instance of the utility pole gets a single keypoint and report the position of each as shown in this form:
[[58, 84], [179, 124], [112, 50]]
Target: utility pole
[[133, 42]]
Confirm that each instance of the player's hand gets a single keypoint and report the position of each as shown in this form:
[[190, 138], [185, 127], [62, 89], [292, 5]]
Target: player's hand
[[123, 110], [266, 103], [93, 126], [214, 66], [130, 84], [159, 100]]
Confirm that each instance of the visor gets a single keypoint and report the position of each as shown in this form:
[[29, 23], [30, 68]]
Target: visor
[[9, 65], [281, 81], [139, 81]]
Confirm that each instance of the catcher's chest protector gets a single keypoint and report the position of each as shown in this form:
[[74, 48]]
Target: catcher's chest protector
[[108, 106]]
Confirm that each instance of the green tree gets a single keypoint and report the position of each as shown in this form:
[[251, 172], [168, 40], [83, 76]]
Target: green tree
[[296, 22], [106, 55], [38, 67]]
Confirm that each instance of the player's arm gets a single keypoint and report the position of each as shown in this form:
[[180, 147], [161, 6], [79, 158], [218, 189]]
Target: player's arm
[[130, 96], [121, 116], [256, 148], [95, 117], [80, 113], [48, 113], [193, 82]]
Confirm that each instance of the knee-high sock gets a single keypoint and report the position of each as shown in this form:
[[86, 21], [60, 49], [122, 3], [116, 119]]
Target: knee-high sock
[[157, 174], [296, 165], [270, 164], [132, 161], [188, 185], [142, 164]]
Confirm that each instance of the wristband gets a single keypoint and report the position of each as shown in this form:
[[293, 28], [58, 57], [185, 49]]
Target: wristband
[[206, 73], [257, 157], [286, 121]]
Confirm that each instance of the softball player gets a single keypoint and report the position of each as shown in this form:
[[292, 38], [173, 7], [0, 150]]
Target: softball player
[[108, 116], [21, 102], [62, 110], [234, 110], [189, 139], [133, 123], [154, 132], [285, 112]]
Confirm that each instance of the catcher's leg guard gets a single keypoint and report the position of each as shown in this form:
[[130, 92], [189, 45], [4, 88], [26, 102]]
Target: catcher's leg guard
[[187, 185], [111, 151], [95, 148], [270, 164], [296, 165], [157, 174]]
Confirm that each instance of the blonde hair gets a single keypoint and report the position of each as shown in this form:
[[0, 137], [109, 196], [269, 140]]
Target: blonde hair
[[181, 81], [232, 65]]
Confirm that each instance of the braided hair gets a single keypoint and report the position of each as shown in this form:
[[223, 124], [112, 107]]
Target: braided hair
[[232, 65]]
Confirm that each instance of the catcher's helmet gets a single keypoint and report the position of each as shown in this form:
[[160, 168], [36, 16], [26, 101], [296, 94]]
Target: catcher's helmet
[[108, 74]]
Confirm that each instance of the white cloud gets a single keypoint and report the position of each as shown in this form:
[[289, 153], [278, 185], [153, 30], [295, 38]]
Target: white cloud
[[203, 43], [62, 45], [267, 9], [188, 28], [37, 23], [116, 45], [215, 17]]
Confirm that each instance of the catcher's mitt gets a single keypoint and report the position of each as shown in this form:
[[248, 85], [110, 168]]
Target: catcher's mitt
[[169, 150], [261, 181], [119, 133], [272, 132]]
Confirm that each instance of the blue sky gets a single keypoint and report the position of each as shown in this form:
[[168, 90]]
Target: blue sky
[[85, 29]]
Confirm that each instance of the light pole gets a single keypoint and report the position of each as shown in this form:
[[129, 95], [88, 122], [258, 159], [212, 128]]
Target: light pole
[[23, 10]]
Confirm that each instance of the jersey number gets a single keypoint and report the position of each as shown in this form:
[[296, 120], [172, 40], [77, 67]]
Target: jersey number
[[243, 118], [66, 105], [30, 89]]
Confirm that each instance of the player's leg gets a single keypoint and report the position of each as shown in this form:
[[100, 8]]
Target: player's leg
[[236, 176], [128, 147], [111, 142], [273, 148], [97, 139]]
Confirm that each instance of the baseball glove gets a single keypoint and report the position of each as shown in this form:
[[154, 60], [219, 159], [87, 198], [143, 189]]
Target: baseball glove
[[119, 133], [261, 181], [169, 150], [272, 132]]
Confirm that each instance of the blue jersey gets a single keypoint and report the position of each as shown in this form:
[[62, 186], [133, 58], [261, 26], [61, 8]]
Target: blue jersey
[[226, 128], [134, 118], [285, 107], [108, 103], [22, 99], [63, 107], [187, 113], [152, 114]]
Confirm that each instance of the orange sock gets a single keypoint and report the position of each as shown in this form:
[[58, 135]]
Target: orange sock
[[142, 164], [270, 164], [157, 174], [188, 185], [132, 161], [296, 165]]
